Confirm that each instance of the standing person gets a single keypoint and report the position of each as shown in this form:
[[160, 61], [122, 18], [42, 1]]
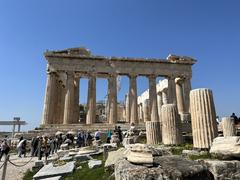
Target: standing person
[[40, 150], [119, 132], [97, 135], [109, 135], [46, 148], [89, 139], [4, 148], [22, 145], [34, 144]]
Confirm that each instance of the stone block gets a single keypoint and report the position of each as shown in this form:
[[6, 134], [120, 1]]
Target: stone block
[[228, 147], [94, 163], [49, 170]]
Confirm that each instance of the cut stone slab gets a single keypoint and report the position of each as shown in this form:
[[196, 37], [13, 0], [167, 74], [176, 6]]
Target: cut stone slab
[[223, 169], [228, 146], [114, 156], [66, 158], [127, 141], [64, 147], [83, 157], [72, 153], [39, 163], [87, 150], [49, 170], [94, 163]]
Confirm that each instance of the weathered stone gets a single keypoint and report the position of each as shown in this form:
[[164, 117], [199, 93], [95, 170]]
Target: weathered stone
[[171, 125], [153, 132], [39, 163], [114, 139], [94, 163], [50, 171], [203, 115], [114, 156], [146, 111], [222, 170], [166, 168], [53, 178], [228, 126], [127, 141], [87, 150], [140, 154], [228, 146]]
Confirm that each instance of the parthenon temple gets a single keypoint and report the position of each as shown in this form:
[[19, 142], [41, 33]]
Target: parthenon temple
[[66, 67]]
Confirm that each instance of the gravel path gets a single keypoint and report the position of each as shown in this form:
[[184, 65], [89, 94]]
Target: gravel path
[[17, 173]]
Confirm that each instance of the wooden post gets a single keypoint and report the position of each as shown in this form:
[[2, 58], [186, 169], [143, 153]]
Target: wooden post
[[5, 167]]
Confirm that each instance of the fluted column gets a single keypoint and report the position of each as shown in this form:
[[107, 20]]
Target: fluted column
[[186, 92], [160, 103], [140, 112], [49, 102], [76, 101], [133, 99], [60, 102], [228, 126], [171, 91], [153, 132], [146, 111], [112, 84], [179, 96], [153, 98], [69, 99], [171, 125], [165, 96], [91, 105], [127, 108], [204, 126]]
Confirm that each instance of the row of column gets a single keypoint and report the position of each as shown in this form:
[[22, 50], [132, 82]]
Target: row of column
[[61, 104], [177, 93]]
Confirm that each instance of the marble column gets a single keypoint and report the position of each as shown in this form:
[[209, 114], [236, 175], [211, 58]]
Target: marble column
[[179, 95], [112, 86], [165, 96], [153, 132], [127, 107], [160, 103], [228, 126], [69, 99], [60, 102], [153, 98], [133, 99], [50, 95], [91, 104], [204, 125], [146, 111], [171, 125], [76, 101], [186, 92], [171, 91], [140, 113]]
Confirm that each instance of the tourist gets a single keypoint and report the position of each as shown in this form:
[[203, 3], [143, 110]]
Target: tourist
[[46, 148], [235, 118], [40, 150], [4, 148], [88, 139], [34, 145], [80, 139], [109, 134], [59, 140], [52, 144], [22, 145], [119, 132], [97, 135]]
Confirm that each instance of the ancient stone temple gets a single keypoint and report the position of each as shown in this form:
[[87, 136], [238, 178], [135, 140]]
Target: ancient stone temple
[[66, 67]]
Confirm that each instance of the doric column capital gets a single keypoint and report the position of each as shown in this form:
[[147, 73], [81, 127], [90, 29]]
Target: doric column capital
[[179, 80], [132, 76]]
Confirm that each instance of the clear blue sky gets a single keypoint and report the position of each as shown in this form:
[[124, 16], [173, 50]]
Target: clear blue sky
[[206, 30]]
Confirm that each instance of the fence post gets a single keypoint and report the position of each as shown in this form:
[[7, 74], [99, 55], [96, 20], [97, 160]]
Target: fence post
[[5, 167]]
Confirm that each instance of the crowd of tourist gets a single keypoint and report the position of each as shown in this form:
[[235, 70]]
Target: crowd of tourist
[[43, 146]]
